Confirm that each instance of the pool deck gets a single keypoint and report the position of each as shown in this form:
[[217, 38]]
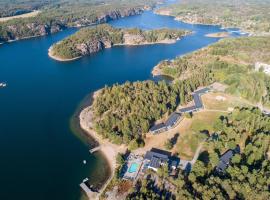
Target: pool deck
[[131, 173]]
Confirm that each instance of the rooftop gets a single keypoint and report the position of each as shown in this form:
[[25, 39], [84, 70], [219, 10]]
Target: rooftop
[[187, 109], [158, 127], [225, 159], [157, 153], [156, 157], [197, 100], [202, 91], [173, 119]]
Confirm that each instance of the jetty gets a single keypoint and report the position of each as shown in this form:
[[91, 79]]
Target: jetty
[[89, 191], [94, 149]]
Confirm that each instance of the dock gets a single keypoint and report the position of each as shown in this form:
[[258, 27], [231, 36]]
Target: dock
[[88, 191], [94, 149]]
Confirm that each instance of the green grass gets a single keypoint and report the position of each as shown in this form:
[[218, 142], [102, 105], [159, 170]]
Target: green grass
[[190, 140]]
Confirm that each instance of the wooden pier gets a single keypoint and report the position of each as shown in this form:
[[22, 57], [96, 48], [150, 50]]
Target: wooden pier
[[94, 149], [88, 191]]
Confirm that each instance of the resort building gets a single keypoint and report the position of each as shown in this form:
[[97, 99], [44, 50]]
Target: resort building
[[176, 117], [156, 158], [262, 66], [173, 120], [225, 159], [158, 128], [188, 109], [198, 105]]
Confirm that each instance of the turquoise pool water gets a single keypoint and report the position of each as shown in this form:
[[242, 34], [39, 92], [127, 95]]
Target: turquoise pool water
[[133, 168]]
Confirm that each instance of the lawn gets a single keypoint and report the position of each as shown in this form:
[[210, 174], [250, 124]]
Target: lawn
[[222, 101], [190, 134]]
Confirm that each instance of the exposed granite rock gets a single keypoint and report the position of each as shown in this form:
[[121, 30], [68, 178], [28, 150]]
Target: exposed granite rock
[[130, 39], [93, 46], [20, 31]]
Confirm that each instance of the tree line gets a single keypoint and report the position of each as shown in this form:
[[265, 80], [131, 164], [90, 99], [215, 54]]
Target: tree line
[[247, 176]]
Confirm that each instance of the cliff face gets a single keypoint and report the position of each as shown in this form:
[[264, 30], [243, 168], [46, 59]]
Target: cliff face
[[93, 46], [16, 32], [119, 14], [23, 30]]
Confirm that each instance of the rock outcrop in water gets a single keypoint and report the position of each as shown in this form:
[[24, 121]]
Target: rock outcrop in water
[[91, 40]]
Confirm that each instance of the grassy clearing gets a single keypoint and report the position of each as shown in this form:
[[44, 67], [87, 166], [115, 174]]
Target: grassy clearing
[[223, 102], [27, 15], [191, 136]]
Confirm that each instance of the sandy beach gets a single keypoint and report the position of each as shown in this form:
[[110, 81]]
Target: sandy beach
[[109, 150], [218, 35]]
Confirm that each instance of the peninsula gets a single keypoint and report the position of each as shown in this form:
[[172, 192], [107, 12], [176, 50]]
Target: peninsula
[[136, 117], [91, 40]]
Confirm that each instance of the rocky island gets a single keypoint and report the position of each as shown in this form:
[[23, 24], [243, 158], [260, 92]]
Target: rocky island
[[91, 40]]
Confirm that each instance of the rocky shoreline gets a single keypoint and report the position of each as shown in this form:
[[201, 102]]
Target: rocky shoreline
[[52, 55], [46, 29]]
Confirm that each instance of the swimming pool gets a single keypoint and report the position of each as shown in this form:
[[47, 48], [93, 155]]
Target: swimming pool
[[133, 167]]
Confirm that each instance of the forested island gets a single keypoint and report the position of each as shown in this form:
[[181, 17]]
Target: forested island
[[90, 40], [123, 112], [249, 15], [123, 115], [58, 15]]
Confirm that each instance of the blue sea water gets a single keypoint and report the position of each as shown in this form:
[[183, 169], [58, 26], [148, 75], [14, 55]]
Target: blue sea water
[[40, 158]]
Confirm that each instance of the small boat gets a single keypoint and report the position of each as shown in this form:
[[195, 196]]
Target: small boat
[[85, 180], [3, 85], [84, 161]]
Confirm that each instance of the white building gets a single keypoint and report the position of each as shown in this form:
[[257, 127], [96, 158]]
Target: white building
[[262, 66]]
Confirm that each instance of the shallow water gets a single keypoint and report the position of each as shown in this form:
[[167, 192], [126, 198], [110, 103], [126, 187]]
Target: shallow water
[[40, 157]]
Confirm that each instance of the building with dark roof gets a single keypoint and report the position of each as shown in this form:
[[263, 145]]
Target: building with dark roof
[[158, 128], [173, 120], [197, 97], [202, 91], [176, 117], [188, 109], [225, 159], [156, 158], [197, 101]]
